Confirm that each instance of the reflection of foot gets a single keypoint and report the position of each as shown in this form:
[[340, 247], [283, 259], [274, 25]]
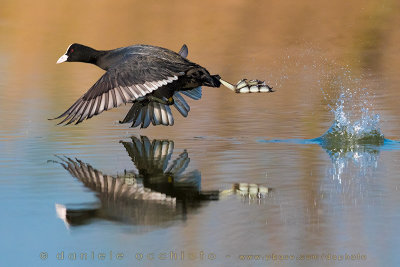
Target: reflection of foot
[[252, 191], [248, 86]]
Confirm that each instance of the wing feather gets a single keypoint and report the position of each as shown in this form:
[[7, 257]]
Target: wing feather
[[137, 76]]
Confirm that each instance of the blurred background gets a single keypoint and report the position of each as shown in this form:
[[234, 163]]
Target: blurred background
[[314, 53], [290, 45]]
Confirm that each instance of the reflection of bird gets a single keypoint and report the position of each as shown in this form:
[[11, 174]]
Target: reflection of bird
[[155, 194], [150, 77]]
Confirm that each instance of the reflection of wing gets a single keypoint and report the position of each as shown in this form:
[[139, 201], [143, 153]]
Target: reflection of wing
[[122, 199], [152, 161], [111, 187], [149, 158], [179, 165], [152, 158]]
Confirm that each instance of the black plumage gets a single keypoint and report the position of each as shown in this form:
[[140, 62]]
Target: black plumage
[[150, 77]]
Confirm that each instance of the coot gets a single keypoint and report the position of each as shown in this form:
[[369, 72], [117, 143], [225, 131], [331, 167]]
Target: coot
[[149, 77]]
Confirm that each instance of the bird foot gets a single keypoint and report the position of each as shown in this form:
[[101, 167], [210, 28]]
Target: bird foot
[[248, 86]]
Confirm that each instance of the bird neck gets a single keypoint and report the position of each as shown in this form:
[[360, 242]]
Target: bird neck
[[87, 54], [94, 56]]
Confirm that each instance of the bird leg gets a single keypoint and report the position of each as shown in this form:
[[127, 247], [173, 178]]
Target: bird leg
[[164, 101], [248, 86]]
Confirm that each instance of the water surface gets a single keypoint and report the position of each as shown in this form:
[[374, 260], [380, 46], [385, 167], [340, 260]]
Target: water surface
[[317, 161]]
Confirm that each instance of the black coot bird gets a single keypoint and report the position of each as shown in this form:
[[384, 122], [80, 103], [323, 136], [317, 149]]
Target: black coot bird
[[148, 76]]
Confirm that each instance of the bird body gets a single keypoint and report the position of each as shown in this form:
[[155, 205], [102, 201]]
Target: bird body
[[148, 76]]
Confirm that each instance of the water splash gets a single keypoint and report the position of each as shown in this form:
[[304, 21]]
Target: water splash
[[354, 139], [355, 122]]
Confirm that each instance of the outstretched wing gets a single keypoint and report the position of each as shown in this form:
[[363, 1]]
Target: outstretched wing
[[137, 76], [184, 51]]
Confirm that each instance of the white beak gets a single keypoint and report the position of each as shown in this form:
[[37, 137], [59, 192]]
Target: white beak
[[62, 59]]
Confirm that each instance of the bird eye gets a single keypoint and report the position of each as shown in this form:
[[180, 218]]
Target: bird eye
[[72, 50]]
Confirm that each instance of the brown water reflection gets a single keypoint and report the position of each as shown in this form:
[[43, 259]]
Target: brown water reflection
[[308, 50]]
